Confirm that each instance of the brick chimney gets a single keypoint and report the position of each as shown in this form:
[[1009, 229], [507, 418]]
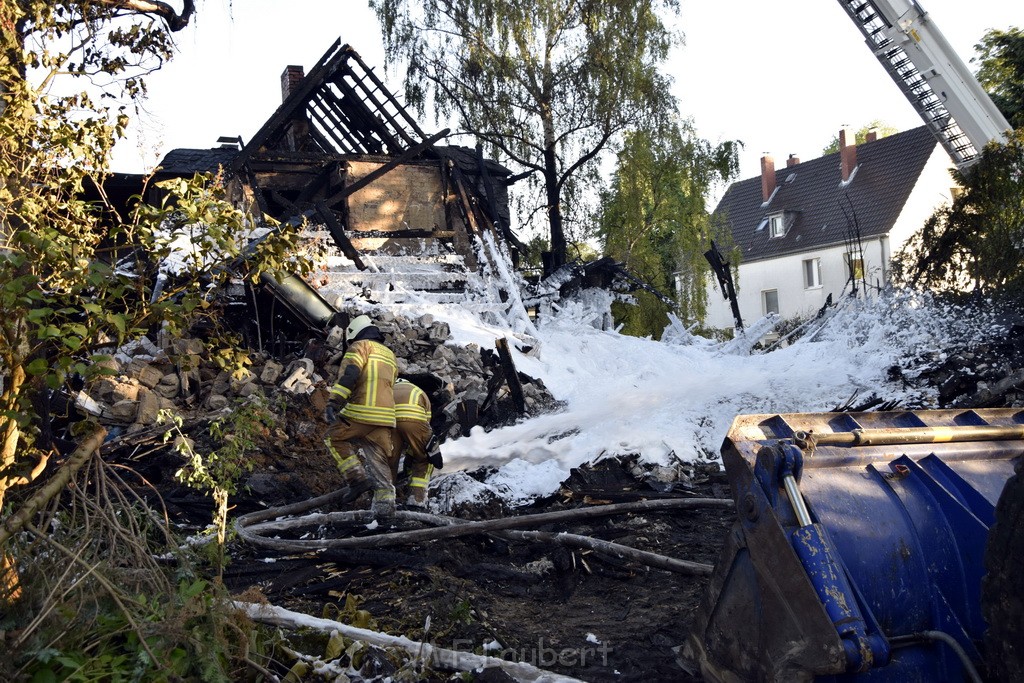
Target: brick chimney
[[793, 160], [298, 130], [872, 135], [767, 177], [290, 79], [847, 152]]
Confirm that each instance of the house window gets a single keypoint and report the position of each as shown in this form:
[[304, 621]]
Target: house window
[[855, 265], [776, 226], [812, 273], [770, 301]]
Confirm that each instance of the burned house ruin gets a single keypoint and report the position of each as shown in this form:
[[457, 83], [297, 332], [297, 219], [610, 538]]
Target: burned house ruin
[[400, 214]]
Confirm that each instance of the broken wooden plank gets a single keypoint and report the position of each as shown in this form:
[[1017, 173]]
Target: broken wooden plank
[[338, 233], [515, 387]]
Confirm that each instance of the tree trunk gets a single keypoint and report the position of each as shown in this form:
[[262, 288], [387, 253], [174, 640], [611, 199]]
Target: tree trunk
[[558, 244], [10, 432]]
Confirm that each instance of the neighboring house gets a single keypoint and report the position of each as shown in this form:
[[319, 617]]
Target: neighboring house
[[827, 226]]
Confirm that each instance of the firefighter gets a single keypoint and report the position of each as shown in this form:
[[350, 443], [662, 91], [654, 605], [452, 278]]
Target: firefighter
[[361, 410], [412, 434]]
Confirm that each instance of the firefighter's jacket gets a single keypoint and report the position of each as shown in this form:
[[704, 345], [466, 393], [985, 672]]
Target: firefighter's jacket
[[411, 404], [371, 400]]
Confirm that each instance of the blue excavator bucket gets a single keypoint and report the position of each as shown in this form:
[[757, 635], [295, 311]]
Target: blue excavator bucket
[[857, 554]]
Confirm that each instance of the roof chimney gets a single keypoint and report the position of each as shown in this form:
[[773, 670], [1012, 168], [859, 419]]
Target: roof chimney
[[793, 160], [872, 135], [767, 177], [847, 152], [298, 129], [290, 79]]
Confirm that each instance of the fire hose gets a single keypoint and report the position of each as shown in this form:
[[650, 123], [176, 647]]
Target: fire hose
[[256, 528]]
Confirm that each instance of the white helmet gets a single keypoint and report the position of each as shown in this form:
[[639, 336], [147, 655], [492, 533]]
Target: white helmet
[[357, 325]]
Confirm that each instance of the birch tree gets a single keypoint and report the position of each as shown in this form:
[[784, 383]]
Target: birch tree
[[547, 83]]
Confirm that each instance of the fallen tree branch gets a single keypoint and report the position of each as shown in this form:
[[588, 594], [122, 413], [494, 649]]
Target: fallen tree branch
[[453, 528], [437, 656], [665, 562], [60, 479]]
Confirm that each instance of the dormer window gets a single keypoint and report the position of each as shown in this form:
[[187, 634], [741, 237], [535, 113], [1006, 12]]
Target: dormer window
[[776, 225]]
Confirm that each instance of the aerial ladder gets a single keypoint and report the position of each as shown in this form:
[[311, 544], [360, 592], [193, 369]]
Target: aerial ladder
[[931, 75]]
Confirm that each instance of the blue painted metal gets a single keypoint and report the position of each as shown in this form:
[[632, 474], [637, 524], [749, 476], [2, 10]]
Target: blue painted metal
[[895, 547]]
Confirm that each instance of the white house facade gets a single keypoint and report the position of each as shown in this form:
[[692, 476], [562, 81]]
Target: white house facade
[[823, 227]]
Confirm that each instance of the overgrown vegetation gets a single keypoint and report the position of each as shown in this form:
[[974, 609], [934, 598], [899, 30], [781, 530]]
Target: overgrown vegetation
[[235, 437], [654, 220], [81, 589], [976, 243], [97, 604], [1001, 71], [78, 278]]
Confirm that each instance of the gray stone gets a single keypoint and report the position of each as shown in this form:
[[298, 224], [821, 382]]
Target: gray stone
[[440, 331], [222, 383], [240, 379], [271, 372], [426, 320], [123, 411], [249, 389], [149, 406], [217, 402], [169, 386], [147, 375]]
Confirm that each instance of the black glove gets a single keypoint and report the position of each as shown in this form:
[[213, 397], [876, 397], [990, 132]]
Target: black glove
[[435, 459], [330, 413]]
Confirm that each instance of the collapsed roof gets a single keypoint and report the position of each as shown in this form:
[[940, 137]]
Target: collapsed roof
[[344, 155]]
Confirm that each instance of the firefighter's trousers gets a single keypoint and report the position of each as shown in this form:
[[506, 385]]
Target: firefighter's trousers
[[361, 452]]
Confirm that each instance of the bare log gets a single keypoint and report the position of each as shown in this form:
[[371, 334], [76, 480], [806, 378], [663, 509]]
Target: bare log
[[175, 21], [67, 471], [438, 657]]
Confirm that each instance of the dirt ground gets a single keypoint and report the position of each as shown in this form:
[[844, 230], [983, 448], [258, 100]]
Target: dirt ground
[[578, 613]]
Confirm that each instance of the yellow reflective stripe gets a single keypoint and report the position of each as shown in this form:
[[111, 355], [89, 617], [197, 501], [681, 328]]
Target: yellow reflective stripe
[[370, 415], [419, 482], [372, 377], [354, 358], [379, 411], [383, 494], [410, 412], [341, 391], [348, 463], [382, 358]]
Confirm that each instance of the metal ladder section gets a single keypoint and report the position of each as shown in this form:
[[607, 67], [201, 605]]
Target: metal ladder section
[[931, 75]]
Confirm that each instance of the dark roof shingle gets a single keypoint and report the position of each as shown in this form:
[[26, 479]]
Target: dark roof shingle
[[822, 210], [184, 161]]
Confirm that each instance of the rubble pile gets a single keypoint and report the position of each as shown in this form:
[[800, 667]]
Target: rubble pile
[[983, 372], [468, 385]]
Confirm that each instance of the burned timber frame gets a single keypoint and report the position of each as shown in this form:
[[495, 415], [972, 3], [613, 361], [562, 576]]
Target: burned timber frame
[[302, 162]]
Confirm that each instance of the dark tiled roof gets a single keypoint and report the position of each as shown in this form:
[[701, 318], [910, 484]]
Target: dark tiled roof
[[179, 162], [819, 210]]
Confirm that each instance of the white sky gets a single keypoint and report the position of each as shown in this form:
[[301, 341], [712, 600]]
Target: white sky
[[782, 77]]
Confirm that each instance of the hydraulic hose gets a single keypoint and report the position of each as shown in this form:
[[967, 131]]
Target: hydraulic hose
[[941, 637]]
